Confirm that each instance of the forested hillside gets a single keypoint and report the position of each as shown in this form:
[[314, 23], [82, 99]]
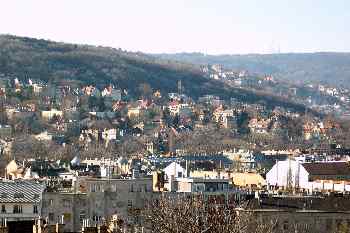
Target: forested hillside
[[51, 61]]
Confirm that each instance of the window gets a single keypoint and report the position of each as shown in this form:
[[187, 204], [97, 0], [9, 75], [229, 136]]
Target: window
[[36, 196], [18, 195], [17, 209], [67, 217], [35, 209], [3, 209], [50, 202], [3, 195], [130, 203], [220, 186], [96, 218], [66, 203], [329, 224], [131, 188], [199, 187], [82, 216], [51, 217], [179, 174]]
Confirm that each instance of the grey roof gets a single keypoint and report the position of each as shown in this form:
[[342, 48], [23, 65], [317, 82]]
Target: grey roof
[[20, 191]]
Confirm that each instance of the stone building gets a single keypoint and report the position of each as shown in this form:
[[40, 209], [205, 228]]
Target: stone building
[[95, 200], [321, 214], [67, 208]]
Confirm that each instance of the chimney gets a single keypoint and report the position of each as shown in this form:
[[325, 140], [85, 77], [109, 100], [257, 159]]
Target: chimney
[[187, 169]]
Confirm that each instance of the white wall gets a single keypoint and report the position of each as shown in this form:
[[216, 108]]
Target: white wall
[[278, 175], [27, 211], [174, 169]]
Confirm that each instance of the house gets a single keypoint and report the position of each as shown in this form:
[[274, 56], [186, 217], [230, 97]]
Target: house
[[14, 170], [157, 94], [20, 200], [112, 94], [202, 185], [174, 107], [221, 113], [248, 179], [322, 176], [48, 115], [229, 122], [174, 169], [244, 158], [174, 96], [134, 112], [185, 111], [5, 147], [5, 131], [259, 126], [181, 109], [44, 136]]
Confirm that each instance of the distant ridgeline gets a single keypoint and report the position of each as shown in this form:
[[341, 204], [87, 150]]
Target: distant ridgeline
[[327, 67]]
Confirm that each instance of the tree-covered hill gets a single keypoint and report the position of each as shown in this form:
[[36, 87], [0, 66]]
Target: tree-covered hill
[[51, 61], [333, 68]]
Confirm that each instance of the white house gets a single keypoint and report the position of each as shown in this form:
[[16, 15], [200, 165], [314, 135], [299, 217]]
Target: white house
[[174, 169], [321, 176], [288, 173]]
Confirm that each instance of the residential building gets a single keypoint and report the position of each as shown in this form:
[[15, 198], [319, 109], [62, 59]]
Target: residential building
[[20, 200], [68, 208], [108, 197], [248, 180], [321, 176], [5, 131], [48, 115]]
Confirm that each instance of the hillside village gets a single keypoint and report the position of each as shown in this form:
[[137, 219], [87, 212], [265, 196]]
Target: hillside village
[[90, 156]]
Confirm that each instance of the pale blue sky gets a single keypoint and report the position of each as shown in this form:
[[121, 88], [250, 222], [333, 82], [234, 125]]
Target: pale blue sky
[[209, 26]]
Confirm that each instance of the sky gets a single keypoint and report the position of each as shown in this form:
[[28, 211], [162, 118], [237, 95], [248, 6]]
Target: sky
[[171, 26]]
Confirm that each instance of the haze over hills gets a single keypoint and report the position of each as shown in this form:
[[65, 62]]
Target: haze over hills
[[51, 61], [329, 67]]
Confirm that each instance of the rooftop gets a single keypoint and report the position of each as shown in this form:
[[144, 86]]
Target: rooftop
[[327, 168], [20, 191]]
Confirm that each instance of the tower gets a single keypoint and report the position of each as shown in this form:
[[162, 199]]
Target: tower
[[179, 87]]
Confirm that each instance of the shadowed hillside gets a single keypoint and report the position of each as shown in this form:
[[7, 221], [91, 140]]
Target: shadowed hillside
[[51, 61]]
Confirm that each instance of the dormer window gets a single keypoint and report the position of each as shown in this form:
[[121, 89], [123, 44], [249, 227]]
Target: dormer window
[[18, 195], [3, 195]]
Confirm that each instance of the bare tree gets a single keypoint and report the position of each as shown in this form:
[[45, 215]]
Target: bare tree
[[177, 214]]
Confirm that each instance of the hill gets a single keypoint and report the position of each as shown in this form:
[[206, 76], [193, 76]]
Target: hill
[[332, 68], [51, 61]]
